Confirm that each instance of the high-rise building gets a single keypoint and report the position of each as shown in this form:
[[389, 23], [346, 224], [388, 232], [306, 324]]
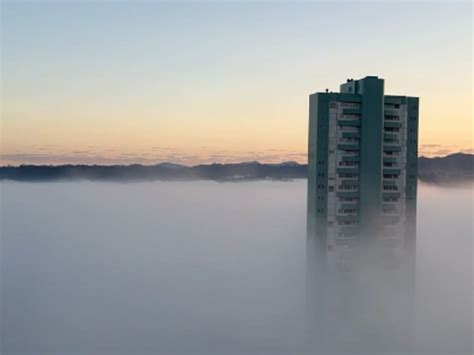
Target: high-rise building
[[362, 159], [362, 184]]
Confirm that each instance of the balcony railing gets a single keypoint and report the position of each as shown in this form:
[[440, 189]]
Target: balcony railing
[[351, 111]]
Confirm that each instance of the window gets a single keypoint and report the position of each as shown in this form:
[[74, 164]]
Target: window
[[348, 199], [348, 175], [347, 210], [348, 163], [349, 129], [350, 117], [347, 223], [350, 151], [389, 208], [349, 104], [349, 140], [347, 187]]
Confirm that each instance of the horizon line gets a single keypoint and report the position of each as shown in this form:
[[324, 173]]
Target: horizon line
[[198, 164]]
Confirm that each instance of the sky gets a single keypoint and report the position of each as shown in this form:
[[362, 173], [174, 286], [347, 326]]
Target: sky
[[107, 82]]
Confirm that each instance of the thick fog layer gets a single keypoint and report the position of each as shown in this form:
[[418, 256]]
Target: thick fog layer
[[197, 267]]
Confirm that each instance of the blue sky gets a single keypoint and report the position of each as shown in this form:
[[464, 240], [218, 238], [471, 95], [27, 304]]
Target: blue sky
[[209, 78]]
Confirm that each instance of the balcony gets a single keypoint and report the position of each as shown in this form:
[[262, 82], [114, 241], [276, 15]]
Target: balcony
[[350, 135], [390, 220], [348, 206], [392, 124], [351, 122], [392, 148], [352, 182], [354, 218], [389, 208], [351, 111], [390, 160], [387, 194], [390, 112], [348, 170], [350, 194], [391, 171], [389, 183], [348, 146], [354, 158]]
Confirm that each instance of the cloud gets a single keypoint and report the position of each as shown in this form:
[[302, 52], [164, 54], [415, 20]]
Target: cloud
[[431, 150], [157, 154], [149, 157], [430, 145], [442, 152]]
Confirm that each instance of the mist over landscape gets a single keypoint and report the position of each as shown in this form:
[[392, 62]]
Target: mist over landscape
[[236, 177], [197, 267], [453, 169]]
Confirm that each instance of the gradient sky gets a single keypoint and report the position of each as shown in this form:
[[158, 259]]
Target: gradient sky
[[190, 82]]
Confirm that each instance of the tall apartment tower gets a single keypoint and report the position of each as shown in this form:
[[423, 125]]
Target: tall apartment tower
[[362, 160], [362, 184]]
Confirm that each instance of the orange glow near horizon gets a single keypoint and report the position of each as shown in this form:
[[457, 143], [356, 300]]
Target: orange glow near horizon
[[164, 85], [199, 134]]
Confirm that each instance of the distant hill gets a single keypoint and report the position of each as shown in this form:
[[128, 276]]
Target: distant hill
[[455, 168], [163, 171]]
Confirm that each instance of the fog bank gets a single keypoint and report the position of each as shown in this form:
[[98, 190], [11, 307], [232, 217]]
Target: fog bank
[[197, 267]]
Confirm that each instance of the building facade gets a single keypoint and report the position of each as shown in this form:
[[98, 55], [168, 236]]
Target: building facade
[[361, 221], [362, 160]]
